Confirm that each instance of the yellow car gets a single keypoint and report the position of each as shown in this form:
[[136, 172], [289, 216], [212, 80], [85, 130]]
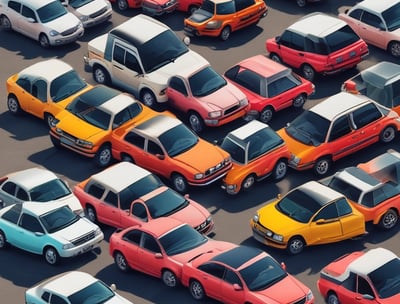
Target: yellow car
[[44, 89], [310, 214]]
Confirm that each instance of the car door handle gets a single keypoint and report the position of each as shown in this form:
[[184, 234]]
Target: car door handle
[[301, 54], [119, 68]]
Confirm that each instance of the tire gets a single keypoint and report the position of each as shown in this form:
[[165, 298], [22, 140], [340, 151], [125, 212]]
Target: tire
[[169, 278], [147, 97], [55, 142], [308, 72], [248, 182], [51, 256], [48, 119], [301, 3], [91, 214], [3, 240], [100, 75], [394, 49], [295, 245], [266, 114], [122, 5], [322, 166], [5, 23], [13, 105], [299, 101], [179, 183], [389, 219], [387, 135], [44, 41], [127, 158], [280, 170], [197, 290], [225, 33], [196, 122], [275, 57], [121, 262], [103, 156], [332, 298]]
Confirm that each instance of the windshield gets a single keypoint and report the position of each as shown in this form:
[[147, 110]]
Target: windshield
[[262, 274], [78, 3], [52, 190], [309, 128], [166, 203], [386, 279], [236, 151], [154, 56], [95, 293], [182, 239], [392, 17], [51, 11], [178, 140], [66, 85], [206, 82], [58, 219]]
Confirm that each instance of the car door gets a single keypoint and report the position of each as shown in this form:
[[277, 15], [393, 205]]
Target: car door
[[8, 193], [291, 47], [137, 214], [232, 291], [352, 224], [354, 290], [30, 234], [38, 99], [210, 277], [110, 209], [179, 94], [148, 256], [243, 16], [29, 24], [325, 226], [130, 245], [282, 92], [373, 29]]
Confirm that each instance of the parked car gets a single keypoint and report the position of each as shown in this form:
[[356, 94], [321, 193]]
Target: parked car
[[310, 214], [150, 7], [165, 146], [46, 21], [73, 287], [377, 22], [86, 124], [48, 229], [123, 5], [38, 185], [243, 275], [126, 195], [336, 127], [220, 18], [380, 82], [363, 276], [269, 86], [373, 188], [257, 152], [90, 12], [44, 89], [132, 59], [189, 6], [303, 3], [160, 248], [318, 43], [205, 97]]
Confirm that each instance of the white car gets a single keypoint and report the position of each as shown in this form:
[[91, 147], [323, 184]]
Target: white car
[[90, 12], [46, 21], [73, 287], [39, 185]]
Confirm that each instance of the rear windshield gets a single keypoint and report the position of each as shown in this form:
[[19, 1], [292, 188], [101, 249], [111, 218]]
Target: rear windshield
[[341, 39]]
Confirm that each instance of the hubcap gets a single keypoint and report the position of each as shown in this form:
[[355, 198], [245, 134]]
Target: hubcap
[[395, 49], [280, 171], [248, 182], [197, 291], [99, 76], [195, 123], [388, 135], [389, 220], [51, 256], [169, 279], [180, 183], [105, 157], [12, 105], [121, 262]]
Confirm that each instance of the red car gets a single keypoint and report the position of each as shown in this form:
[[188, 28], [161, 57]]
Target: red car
[[150, 7], [269, 86], [371, 277], [243, 275], [318, 43], [189, 5], [160, 248]]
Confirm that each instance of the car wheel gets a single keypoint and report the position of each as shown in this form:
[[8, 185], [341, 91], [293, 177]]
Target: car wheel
[[394, 48], [103, 156], [301, 3], [122, 5], [121, 262], [169, 278], [91, 214], [266, 114], [55, 142], [196, 122], [179, 183], [3, 240], [13, 105], [299, 101], [275, 57], [225, 33], [192, 9], [387, 135], [280, 170], [248, 182], [49, 119], [322, 166], [197, 290], [100, 75], [148, 98], [44, 41], [332, 298], [308, 72], [5, 23], [295, 245], [127, 158], [389, 219], [51, 255]]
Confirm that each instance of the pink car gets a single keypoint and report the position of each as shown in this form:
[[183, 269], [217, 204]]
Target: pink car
[[206, 97], [189, 5]]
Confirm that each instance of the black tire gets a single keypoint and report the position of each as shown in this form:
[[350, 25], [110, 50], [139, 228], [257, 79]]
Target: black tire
[[275, 57], [394, 49], [3, 240], [332, 298], [44, 41], [103, 156], [299, 101], [196, 122], [308, 72], [122, 5], [91, 213], [169, 278], [197, 290], [127, 158], [389, 219], [266, 114], [179, 183], [295, 245], [280, 170], [55, 142], [148, 98], [387, 135], [322, 166], [121, 262], [301, 3], [248, 182], [5, 23], [100, 75], [48, 118], [13, 105], [51, 255], [225, 33]]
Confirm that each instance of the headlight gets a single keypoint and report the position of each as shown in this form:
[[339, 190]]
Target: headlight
[[68, 246], [244, 102], [59, 131], [54, 122], [278, 237], [53, 33], [295, 159], [97, 231], [84, 18], [84, 143], [227, 160], [309, 296], [214, 114], [108, 4], [213, 24], [256, 218], [198, 176]]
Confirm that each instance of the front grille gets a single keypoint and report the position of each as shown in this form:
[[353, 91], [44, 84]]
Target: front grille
[[98, 13], [169, 3], [301, 301], [203, 226], [83, 239], [70, 31], [232, 109], [216, 168], [67, 136]]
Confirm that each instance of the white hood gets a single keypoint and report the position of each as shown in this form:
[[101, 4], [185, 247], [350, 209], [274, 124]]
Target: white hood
[[79, 228], [63, 23], [91, 7]]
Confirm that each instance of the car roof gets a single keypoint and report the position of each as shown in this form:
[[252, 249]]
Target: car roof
[[248, 129], [317, 24], [376, 6], [358, 178], [371, 260], [265, 67], [381, 74], [385, 166], [338, 103], [221, 1], [35, 4], [120, 176], [238, 256], [158, 125], [320, 193], [40, 208], [32, 177], [46, 69]]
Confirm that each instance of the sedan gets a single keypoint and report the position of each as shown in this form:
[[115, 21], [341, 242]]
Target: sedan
[[309, 214], [160, 248], [44, 89], [243, 275], [90, 12]]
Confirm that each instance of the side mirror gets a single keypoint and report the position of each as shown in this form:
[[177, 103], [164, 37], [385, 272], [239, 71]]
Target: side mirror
[[186, 196], [113, 287], [237, 287], [277, 39], [350, 86], [279, 196], [31, 20], [158, 255], [283, 265], [160, 156], [368, 297]]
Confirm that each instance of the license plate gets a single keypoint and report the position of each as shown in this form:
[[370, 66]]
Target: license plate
[[352, 53], [66, 141]]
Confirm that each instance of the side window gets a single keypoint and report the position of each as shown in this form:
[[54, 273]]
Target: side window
[[396, 93], [232, 277], [154, 148], [12, 215], [111, 199], [297, 42], [132, 63], [356, 14], [39, 90], [22, 195], [372, 20], [315, 45], [340, 127], [139, 210], [327, 213], [250, 80], [213, 269], [365, 115], [55, 299], [133, 236], [286, 39], [46, 296], [343, 207], [119, 54], [242, 4], [121, 118], [30, 223], [150, 243], [10, 188], [95, 190], [28, 13], [135, 140], [363, 287], [350, 282], [279, 86], [16, 6], [25, 84], [232, 72], [177, 84]]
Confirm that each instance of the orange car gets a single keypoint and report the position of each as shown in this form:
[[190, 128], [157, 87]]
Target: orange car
[[257, 152], [219, 18]]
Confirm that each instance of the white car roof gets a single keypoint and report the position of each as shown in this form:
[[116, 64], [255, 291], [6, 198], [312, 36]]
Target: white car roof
[[317, 24], [376, 5], [35, 4], [47, 69], [158, 125], [117, 103], [40, 208], [381, 74], [248, 129], [120, 176], [338, 103], [320, 192], [30, 178], [358, 178], [371, 260]]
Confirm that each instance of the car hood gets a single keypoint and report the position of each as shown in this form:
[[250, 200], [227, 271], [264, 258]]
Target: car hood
[[226, 97], [90, 8], [294, 146], [199, 16], [63, 23], [117, 299], [194, 214], [73, 202], [76, 230], [75, 126]]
